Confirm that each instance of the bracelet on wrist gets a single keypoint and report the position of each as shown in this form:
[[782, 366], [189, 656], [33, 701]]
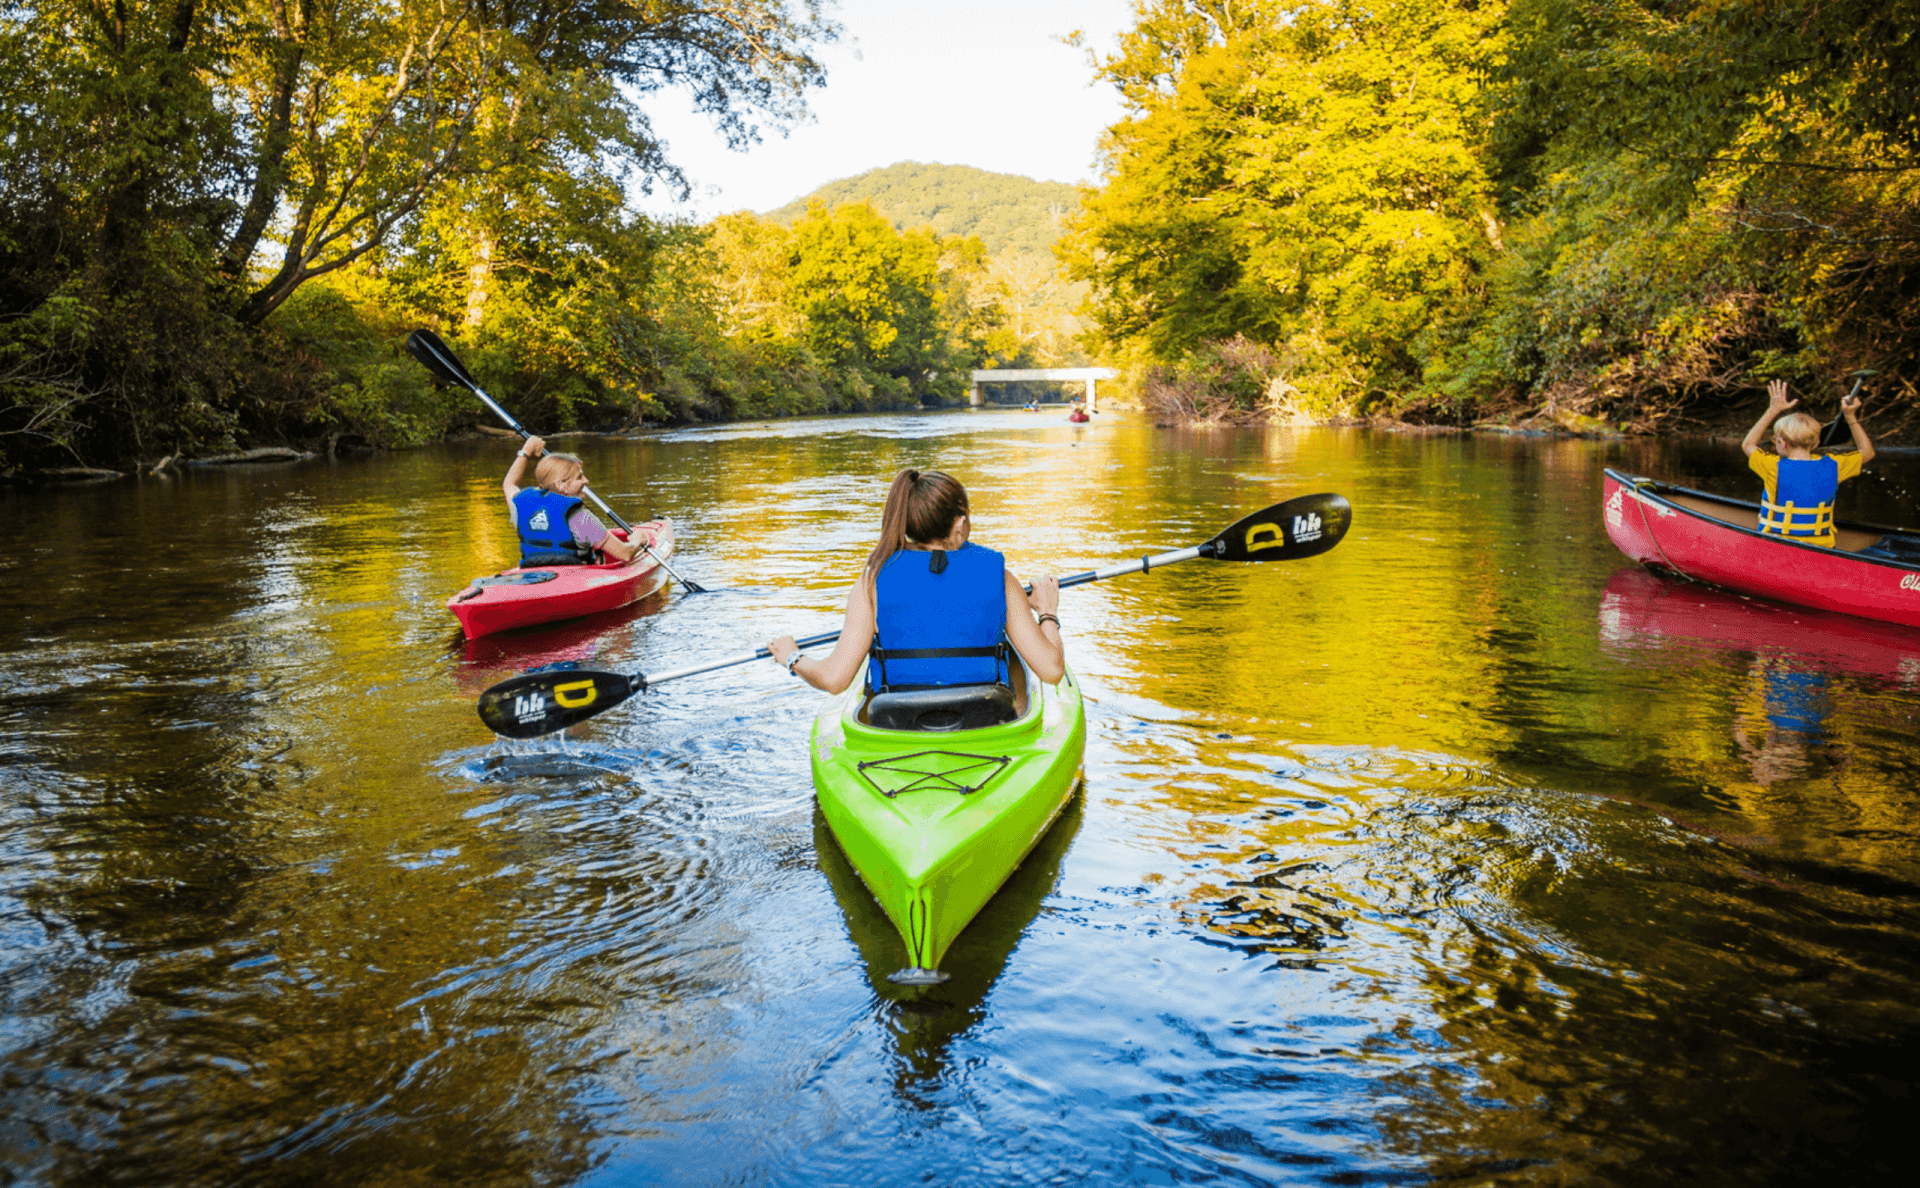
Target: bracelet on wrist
[[793, 661], [1054, 619]]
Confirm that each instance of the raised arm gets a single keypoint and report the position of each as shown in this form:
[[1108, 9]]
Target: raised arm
[[1777, 403], [533, 447], [1850, 408]]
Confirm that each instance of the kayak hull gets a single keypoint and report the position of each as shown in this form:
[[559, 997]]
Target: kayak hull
[[1711, 538], [968, 806], [515, 598]]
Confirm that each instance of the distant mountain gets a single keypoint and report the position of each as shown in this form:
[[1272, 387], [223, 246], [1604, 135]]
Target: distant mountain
[[1008, 212]]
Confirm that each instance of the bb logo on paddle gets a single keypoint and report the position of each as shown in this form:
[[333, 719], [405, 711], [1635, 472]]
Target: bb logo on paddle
[[529, 707], [1269, 536]]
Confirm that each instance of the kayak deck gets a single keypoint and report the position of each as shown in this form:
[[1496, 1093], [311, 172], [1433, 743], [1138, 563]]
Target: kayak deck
[[934, 822], [546, 594]]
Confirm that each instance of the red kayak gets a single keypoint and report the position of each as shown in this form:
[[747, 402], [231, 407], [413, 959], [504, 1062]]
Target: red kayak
[[1872, 572], [525, 597]]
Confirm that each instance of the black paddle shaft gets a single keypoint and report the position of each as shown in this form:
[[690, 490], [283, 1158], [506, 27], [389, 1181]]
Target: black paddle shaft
[[1836, 431], [545, 700]]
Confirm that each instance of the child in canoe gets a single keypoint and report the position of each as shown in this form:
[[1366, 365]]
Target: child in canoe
[[555, 526], [1800, 484], [926, 589]]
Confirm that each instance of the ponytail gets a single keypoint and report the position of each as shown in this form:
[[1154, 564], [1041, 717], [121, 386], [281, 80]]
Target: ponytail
[[921, 507]]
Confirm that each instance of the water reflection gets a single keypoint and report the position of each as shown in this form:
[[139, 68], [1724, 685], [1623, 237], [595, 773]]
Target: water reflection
[[1462, 852]]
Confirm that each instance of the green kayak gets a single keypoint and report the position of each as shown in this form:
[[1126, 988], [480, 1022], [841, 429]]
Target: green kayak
[[935, 819]]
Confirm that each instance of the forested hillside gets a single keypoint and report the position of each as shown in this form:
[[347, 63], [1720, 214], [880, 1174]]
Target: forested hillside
[[1017, 221], [1004, 211], [1459, 209]]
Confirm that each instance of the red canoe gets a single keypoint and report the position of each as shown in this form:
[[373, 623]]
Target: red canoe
[[1711, 538], [525, 597]]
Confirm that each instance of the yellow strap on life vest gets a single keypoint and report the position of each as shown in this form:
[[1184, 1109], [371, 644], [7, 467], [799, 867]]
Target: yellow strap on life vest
[[1784, 519]]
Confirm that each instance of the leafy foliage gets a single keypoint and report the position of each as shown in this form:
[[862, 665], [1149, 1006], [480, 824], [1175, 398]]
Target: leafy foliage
[[173, 175], [1621, 207], [1307, 180]]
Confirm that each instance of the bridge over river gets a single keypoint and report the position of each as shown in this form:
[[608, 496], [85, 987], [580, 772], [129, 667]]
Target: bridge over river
[[1061, 374]]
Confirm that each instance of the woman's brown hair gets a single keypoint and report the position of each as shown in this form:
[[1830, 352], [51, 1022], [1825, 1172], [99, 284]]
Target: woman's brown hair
[[921, 507]]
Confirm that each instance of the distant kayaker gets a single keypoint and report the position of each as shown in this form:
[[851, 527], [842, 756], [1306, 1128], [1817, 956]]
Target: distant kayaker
[[554, 524], [926, 589], [1801, 484]]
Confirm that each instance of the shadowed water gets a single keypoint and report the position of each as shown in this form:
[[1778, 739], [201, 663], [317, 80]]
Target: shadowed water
[[1465, 853]]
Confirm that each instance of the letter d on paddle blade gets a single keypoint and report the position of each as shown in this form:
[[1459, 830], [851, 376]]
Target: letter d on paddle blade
[[1302, 527], [537, 703]]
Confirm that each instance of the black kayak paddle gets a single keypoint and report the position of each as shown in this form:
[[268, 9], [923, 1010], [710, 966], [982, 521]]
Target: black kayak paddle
[[1835, 432], [545, 700], [437, 357]]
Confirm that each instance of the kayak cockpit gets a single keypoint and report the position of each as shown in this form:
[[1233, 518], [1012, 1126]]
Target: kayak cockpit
[[956, 707]]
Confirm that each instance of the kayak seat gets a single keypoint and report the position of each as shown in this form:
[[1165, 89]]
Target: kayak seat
[[941, 708]]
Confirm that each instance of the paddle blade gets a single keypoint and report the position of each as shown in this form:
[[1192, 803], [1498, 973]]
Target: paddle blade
[[438, 357], [1303, 527], [537, 703]]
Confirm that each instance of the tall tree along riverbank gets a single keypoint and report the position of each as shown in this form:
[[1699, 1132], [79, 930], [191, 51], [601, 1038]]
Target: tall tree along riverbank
[[1453, 210], [219, 217]]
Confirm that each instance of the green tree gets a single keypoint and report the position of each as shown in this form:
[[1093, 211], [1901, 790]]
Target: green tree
[[1304, 174], [173, 173]]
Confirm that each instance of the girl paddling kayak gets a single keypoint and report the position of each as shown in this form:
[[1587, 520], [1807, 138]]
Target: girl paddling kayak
[[932, 609], [554, 524]]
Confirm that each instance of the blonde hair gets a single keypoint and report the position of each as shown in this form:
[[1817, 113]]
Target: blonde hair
[[554, 469], [1796, 430]]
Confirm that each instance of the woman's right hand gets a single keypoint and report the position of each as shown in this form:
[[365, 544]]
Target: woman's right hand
[[782, 648], [533, 447], [1044, 598]]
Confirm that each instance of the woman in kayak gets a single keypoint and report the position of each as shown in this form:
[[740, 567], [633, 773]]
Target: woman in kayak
[[555, 526], [1800, 484], [931, 608]]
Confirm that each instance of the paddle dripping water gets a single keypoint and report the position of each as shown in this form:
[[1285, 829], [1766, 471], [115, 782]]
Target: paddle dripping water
[[1444, 856]]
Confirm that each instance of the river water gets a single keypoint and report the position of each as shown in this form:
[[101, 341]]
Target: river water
[[1465, 853]]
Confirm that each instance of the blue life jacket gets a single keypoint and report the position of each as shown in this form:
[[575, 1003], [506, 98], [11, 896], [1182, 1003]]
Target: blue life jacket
[[1802, 503], [939, 627], [545, 539]]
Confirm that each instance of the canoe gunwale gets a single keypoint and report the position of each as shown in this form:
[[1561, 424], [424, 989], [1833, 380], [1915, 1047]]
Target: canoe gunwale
[[1656, 490]]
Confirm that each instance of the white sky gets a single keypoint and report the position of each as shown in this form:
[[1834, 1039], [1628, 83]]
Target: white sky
[[985, 83]]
